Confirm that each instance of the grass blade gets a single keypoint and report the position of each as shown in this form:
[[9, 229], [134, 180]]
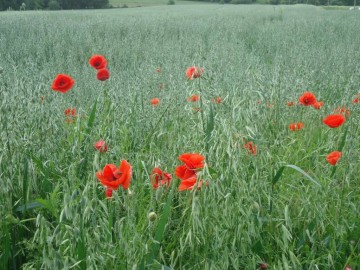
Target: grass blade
[[160, 231], [304, 173], [296, 168]]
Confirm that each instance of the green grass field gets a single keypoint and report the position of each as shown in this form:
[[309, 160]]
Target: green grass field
[[285, 206]]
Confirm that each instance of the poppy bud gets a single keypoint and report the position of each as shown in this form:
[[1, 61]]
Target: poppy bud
[[263, 266], [101, 146], [152, 216]]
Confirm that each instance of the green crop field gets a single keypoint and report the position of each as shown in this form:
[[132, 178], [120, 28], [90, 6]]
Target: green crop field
[[266, 195]]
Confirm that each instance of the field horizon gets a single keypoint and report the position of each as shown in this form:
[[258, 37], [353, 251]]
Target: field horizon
[[198, 136]]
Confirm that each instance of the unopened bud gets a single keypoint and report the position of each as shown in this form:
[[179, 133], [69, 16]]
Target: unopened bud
[[152, 216]]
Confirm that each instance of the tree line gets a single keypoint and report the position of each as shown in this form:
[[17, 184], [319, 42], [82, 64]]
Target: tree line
[[84, 4], [285, 2], [51, 4]]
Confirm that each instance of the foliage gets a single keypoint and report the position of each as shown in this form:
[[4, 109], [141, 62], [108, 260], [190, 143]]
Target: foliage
[[284, 206], [53, 4]]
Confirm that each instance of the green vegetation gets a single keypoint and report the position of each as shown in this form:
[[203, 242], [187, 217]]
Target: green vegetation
[[144, 3], [52, 4], [285, 206]]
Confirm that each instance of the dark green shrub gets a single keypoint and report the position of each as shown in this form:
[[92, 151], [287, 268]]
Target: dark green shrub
[[54, 5]]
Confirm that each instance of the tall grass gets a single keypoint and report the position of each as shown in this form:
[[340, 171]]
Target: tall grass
[[284, 206]]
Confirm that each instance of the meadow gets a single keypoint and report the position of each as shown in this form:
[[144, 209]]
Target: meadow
[[269, 198]]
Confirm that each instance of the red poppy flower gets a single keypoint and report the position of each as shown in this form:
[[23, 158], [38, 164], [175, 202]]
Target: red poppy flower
[[317, 105], [192, 161], [334, 120], [296, 126], [333, 157], [307, 99], [70, 112], [113, 177], [342, 110], [189, 183], [263, 266], [193, 72], [98, 62], [62, 83], [155, 101], [216, 100], [108, 193], [250, 147], [355, 100], [160, 178], [184, 172], [290, 103], [103, 74], [101, 146], [193, 98]]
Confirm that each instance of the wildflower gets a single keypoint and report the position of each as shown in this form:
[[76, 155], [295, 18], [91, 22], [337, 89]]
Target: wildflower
[[158, 70], [317, 105], [290, 103], [342, 110], [101, 146], [98, 62], [192, 161], [160, 178], [155, 101], [355, 100], [113, 177], [70, 112], [333, 157], [189, 183], [193, 98], [334, 120], [307, 99], [296, 126], [193, 72], [187, 171], [183, 172], [263, 266], [250, 147], [103, 74], [62, 83], [216, 100], [108, 192]]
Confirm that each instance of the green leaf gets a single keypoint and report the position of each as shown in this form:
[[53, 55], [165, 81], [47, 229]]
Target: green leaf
[[160, 231], [91, 121], [281, 170], [278, 175], [304, 173], [30, 206]]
